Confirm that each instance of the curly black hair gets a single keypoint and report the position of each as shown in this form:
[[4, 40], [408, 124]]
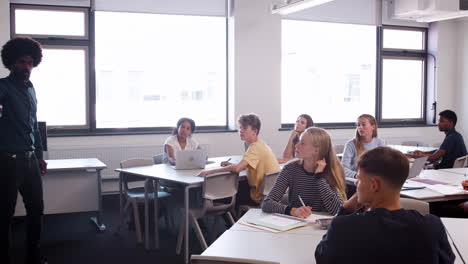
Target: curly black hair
[[182, 120], [19, 47]]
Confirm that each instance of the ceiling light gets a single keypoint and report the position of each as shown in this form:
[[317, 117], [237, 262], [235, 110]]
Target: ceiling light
[[292, 6], [440, 17]]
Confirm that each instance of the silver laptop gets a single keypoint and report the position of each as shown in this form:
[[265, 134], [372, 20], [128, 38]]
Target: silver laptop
[[418, 166], [190, 159]]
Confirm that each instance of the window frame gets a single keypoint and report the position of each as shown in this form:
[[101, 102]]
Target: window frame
[[407, 54], [382, 54], [51, 41], [14, 7], [87, 84]]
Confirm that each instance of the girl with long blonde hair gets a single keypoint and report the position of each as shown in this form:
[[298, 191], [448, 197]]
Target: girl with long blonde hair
[[315, 180], [365, 139]]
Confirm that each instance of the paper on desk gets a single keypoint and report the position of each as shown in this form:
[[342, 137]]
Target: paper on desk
[[447, 189], [311, 219], [277, 222], [428, 181]]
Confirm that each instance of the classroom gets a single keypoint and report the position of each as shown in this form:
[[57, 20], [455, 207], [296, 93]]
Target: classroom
[[132, 69]]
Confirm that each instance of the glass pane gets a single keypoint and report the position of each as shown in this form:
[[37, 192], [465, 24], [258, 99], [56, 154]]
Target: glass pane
[[153, 69], [61, 91], [403, 39], [47, 22], [402, 88], [328, 71]]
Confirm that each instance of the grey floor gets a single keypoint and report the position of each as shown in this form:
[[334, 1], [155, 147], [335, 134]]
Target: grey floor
[[72, 238]]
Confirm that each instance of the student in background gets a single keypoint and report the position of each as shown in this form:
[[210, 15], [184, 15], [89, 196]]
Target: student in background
[[258, 160], [317, 178], [383, 232], [453, 145], [181, 139], [365, 139], [303, 122]]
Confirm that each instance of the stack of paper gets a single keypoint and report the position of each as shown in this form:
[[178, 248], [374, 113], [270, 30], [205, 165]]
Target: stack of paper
[[279, 223], [447, 189]]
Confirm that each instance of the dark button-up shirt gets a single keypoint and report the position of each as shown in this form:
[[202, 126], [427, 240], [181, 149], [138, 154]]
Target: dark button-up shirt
[[18, 122], [454, 146]]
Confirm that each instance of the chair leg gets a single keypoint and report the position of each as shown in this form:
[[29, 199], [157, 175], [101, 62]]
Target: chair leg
[[136, 216], [180, 236], [198, 232], [122, 216], [231, 219], [213, 230], [172, 221]]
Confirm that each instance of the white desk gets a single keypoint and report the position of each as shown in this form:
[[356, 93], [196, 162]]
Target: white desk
[[70, 186], [284, 248], [428, 195], [256, 213], [407, 149], [186, 177], [292, 247], [462, 171], [457, 232]]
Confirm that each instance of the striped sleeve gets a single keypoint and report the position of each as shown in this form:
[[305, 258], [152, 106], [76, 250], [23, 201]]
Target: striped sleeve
[[330, 198], [272, 203]]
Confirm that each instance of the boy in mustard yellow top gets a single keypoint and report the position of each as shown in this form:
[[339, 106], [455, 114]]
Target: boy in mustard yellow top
[[258, 160]]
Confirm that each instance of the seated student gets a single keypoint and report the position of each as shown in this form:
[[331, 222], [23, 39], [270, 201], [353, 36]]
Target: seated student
[[303, 121], [259, 160], [383, 232], [317, 178], [181, 139], [453, 145], [365, 139]]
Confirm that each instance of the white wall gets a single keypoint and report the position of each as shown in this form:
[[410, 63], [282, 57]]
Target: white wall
[[256, 87], [257, 79], [462, 76]]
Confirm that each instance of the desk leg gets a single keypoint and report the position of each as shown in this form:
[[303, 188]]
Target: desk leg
[[98, 219], [186, 203], [121, 213], [147, 183], [156, 212]]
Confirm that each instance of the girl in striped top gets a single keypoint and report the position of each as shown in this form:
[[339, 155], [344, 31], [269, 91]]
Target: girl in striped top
[[317, 177]]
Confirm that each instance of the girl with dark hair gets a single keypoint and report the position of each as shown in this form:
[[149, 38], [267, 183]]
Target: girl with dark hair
[[303, 122], [181, 139], [365, 139]]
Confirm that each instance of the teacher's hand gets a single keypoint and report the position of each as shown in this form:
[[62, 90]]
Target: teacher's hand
[[42, 166]]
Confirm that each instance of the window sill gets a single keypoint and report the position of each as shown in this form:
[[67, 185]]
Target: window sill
[[352, 126], [118, 132]]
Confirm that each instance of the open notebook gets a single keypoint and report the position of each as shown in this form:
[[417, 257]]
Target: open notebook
[[277, 223]]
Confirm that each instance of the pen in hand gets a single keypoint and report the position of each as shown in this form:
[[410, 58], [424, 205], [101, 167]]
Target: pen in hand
[[300, 199], [225, 163]]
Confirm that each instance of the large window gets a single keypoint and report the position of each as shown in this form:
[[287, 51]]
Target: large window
[[153, 69], [62, 78], [403, 75], [336, 72], [328, 71], [132, 72]]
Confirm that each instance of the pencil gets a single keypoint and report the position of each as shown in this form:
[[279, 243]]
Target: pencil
[[300, 199]]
